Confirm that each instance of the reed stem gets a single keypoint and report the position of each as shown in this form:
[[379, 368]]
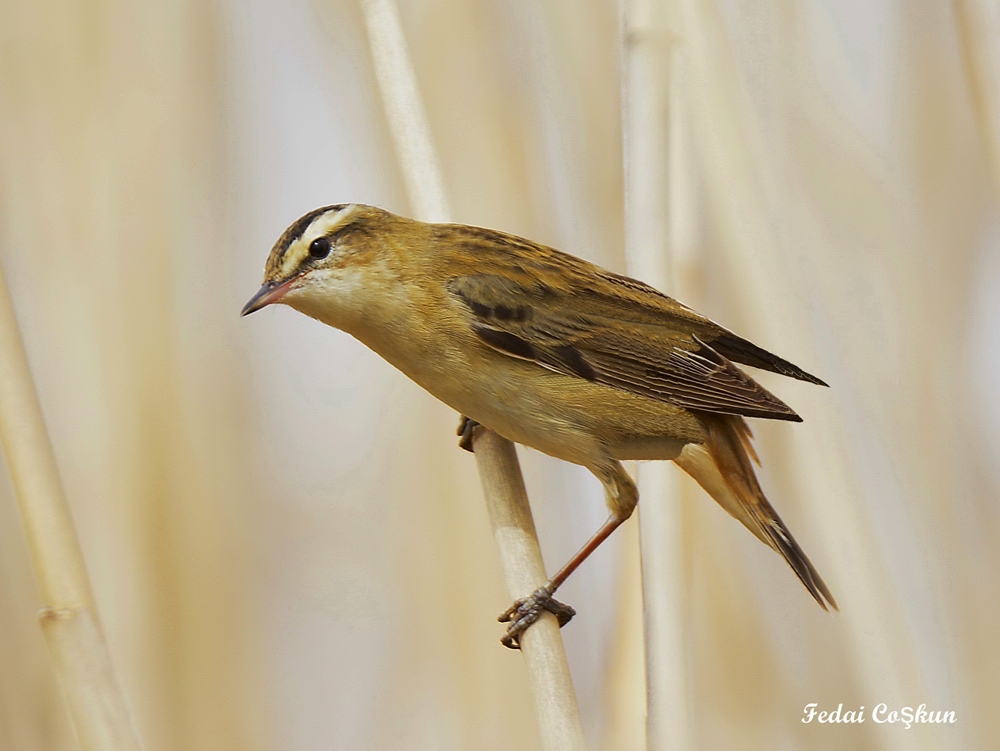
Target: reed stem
[[646, 83], [69, 616], [503, 485]]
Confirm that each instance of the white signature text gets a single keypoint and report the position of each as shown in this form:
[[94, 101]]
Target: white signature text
[[881, 714]]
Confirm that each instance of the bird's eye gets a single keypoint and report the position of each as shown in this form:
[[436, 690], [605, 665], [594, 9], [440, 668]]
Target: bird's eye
[[320, 247]]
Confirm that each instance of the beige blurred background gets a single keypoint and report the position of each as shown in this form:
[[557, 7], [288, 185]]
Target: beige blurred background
[[288, 549]]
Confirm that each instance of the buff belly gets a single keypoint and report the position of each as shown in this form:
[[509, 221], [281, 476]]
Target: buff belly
[[564, 416]]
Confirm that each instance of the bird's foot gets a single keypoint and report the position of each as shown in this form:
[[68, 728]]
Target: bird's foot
[[466, 429], [529, 609]]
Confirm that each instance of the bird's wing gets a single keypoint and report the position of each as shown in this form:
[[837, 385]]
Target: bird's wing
[[660, 352]]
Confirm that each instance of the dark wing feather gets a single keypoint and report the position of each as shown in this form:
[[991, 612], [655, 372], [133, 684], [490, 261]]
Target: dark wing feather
[[747, 353], [583, 333]]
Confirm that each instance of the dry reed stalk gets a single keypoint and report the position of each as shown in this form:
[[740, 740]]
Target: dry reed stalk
[[69, 619], [979, 25], [524, 570], [625, 685], [510, 515], [879, 642], [646, 83]]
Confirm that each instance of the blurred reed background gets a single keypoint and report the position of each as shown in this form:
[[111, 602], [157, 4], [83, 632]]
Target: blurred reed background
[[289, 550]]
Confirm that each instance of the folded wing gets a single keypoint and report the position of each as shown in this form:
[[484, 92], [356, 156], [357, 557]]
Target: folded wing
[[648, 350]]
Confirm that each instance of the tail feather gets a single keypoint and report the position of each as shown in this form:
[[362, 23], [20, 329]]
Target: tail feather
[[722, 467]]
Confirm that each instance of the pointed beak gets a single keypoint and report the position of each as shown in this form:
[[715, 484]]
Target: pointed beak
[[269, 293]]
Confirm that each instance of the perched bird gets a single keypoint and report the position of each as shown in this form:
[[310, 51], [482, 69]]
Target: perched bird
[[549, 351]]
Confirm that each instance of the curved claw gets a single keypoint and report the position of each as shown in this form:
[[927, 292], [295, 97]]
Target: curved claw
[[527, 610], [466, 431]]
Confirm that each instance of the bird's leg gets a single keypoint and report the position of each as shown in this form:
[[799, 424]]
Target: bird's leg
[[622, 497], [528, 609], [466, 427]]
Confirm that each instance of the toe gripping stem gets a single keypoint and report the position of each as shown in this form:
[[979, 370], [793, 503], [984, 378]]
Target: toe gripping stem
[[529, 609], [466, 432]]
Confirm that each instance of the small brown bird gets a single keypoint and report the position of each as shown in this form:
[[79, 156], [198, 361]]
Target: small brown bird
[[549, 351]]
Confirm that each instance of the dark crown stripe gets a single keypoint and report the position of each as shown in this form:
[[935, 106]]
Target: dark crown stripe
[[297, 229]]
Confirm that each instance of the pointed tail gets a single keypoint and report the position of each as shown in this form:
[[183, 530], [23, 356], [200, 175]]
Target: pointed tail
[[722, 467]]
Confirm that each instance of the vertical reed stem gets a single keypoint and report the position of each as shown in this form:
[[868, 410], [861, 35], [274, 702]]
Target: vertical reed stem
[[69, 618], [646, 60], [524, 572], [979, 24], [510, 515]]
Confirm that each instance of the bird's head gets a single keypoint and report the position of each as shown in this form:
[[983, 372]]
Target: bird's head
[[322, 262]]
